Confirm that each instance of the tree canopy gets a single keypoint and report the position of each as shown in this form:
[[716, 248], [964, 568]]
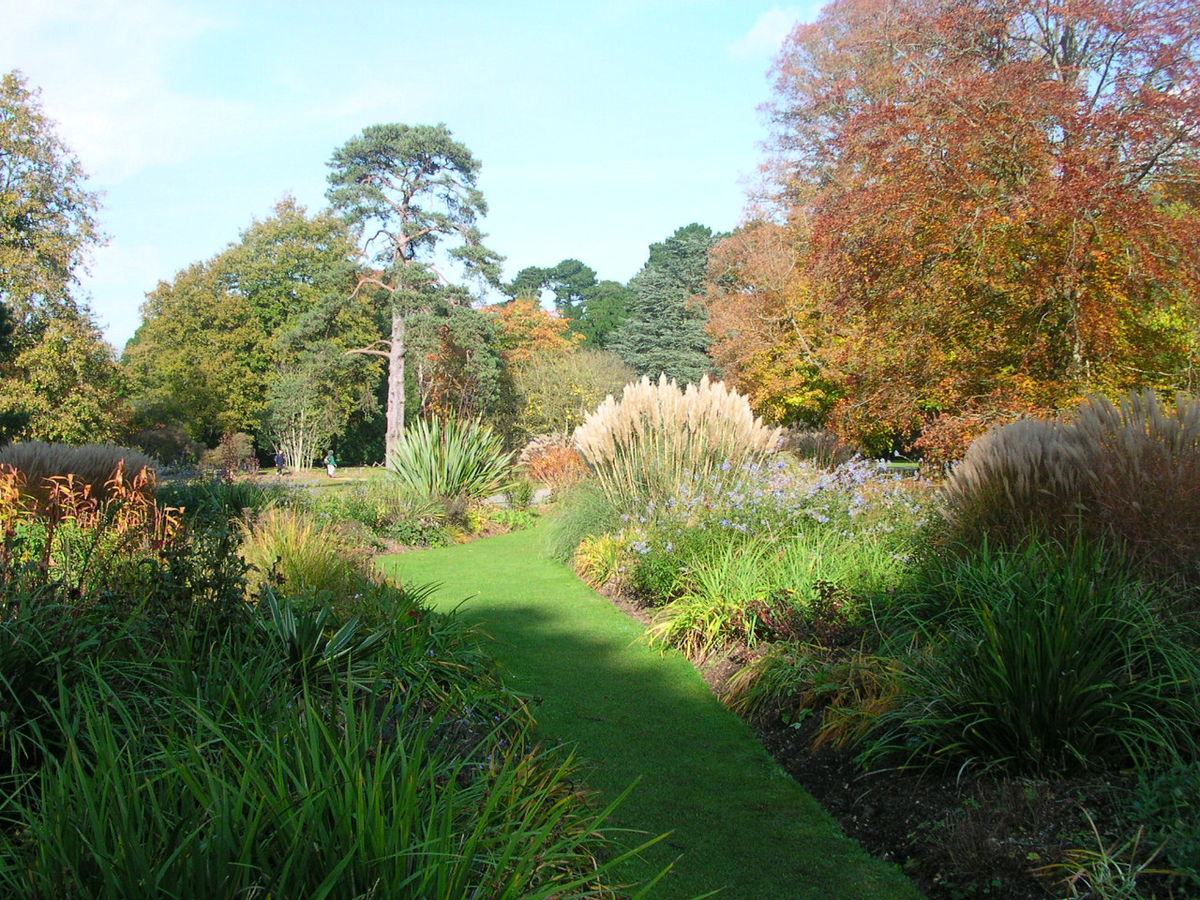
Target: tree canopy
[[411, 190], [47, 222], [58, 378], [987, 206], [218, 340], [665, 330]]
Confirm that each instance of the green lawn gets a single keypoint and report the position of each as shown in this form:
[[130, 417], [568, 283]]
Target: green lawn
[[737, 821]]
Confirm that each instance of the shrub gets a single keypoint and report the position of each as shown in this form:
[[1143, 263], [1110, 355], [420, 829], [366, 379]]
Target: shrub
[[553, 460], [210, 775], [169, 444], [92, 466], [601, 560], [1041, 658], [585, 510], [1016, 480], [824, 448], [642, 447], [556, 391], [790, 682], [519, 493], [1128, 473], [449, 461], [235, 453], [217, 500]]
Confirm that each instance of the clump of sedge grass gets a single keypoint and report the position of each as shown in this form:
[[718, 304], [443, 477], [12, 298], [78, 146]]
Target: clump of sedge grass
[[291, 550], [1042, 658]]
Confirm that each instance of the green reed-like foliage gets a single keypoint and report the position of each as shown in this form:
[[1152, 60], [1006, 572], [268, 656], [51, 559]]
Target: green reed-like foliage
[[347, 803], [209, 499], [1042, 658], [724, 586], [299, 555], [450, 460]]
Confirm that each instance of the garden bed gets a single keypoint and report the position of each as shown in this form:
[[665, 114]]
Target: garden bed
[[957, 835]]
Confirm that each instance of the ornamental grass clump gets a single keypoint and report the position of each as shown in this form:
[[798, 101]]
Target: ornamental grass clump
[[1042, 658], [658, 435], [1127, 472], [93, 466], [299, 555]]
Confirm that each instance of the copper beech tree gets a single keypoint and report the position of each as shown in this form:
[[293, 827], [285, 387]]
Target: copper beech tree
[[978, 209]]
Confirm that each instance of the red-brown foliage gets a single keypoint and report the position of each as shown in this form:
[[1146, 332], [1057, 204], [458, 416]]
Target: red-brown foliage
[[991, 205]]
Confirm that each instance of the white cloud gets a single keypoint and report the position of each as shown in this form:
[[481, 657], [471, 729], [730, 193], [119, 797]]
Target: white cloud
[[766, 35]]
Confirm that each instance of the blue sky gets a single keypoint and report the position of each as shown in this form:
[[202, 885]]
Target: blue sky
[[602, 126]]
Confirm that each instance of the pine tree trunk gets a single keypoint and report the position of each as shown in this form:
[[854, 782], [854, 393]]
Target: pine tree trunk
[[395, 397]]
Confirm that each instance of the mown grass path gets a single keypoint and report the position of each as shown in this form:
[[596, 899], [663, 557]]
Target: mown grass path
[[737, 821]]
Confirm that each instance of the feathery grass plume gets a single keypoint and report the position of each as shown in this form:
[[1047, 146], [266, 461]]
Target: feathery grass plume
[[644, 445], [1015, 479], [94, 465], [1129, 472], [824, 448], [1143, 471]]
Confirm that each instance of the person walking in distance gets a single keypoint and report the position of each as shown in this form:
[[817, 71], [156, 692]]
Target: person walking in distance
[[330, 464]]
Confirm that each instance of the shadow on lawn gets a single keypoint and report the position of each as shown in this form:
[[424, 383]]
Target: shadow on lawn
[[736, 821]]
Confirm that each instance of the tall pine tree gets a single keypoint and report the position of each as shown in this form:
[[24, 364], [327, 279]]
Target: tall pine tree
[[665, 332]]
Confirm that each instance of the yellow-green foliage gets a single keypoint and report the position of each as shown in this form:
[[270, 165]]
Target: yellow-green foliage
[[1128, 471], [658, 435], [600, 559], [293, 551], [93, 465]]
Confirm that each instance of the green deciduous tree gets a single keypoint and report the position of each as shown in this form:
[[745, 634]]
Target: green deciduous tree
[[217, 340], [665, 330], [557, 391], [47, 213], [66, 387], [412, 190], [58, 378]]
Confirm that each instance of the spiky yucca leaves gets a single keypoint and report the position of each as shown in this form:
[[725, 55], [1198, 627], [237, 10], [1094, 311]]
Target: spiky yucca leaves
[[93, 465], [1127, 472], [643, 446], [450, 461]]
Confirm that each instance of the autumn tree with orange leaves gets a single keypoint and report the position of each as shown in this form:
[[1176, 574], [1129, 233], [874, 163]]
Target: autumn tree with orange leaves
[[526, 330], [978, 209]]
